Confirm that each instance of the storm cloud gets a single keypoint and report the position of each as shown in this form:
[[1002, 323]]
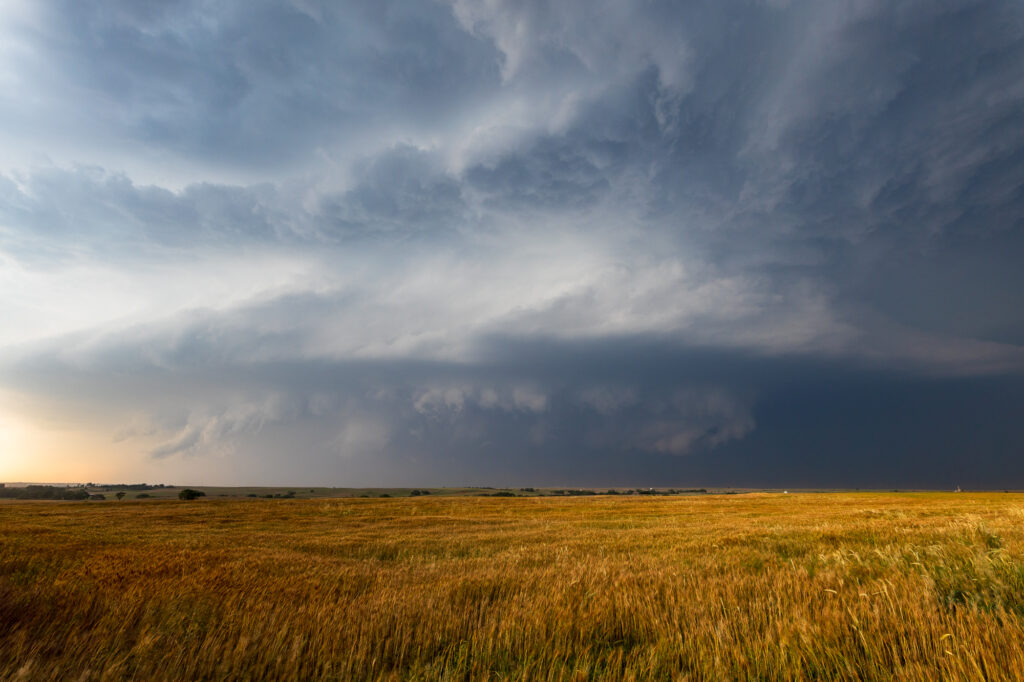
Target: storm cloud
[[765, 243]]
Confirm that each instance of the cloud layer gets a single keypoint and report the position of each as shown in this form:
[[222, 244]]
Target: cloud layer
[[475, 241]]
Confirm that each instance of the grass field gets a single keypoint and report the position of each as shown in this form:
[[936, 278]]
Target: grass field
[[810, 586]]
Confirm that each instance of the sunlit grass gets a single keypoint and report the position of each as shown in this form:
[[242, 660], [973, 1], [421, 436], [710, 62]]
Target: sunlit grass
[[836, 586]]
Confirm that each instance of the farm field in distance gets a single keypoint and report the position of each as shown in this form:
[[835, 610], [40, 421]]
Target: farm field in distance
[[917, 586]]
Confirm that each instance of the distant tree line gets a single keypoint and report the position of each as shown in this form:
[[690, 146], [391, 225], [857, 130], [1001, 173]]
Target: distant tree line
[[87, 491], [44, 492], [576, 492], [654, 491], [275, 496], [111, 487]]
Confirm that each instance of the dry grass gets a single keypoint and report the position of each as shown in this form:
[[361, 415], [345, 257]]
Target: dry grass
[[831, 586]]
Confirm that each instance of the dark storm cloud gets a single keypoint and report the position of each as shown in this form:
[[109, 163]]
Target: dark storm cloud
[[252, 83], [577, 241], [626, 412], [400, 191], [88, 207], [553, 174]]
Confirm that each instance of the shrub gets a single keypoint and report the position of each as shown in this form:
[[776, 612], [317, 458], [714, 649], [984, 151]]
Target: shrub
[[189, 494], [142, 496]]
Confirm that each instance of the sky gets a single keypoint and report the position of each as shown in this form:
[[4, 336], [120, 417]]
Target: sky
[[591, 243]]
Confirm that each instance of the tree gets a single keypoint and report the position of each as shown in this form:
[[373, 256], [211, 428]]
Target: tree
[[120, 495], [189, 494]]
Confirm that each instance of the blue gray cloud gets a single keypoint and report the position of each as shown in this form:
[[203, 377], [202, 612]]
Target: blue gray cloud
[[487, 240]]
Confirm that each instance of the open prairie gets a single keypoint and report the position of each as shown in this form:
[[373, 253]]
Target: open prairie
[[760, 586]]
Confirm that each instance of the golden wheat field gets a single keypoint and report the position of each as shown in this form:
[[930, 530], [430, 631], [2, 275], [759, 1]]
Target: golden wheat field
[[761, 586]]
